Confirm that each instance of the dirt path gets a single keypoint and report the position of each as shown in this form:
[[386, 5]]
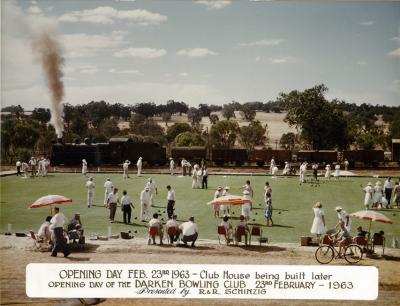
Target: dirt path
[[16, 253]]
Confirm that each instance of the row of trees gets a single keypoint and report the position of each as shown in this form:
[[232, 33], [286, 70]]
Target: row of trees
[[321, 124]]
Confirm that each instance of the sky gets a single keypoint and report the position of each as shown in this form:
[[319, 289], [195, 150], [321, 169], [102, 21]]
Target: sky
[[211, 52]]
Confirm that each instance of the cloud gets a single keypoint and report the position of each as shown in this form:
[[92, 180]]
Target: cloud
[[88, 69], [183, 74], [395, 86], [271, 42], [147, 53], [109, 15], [283, 60], [361, 63], [394, 53], [127, 71], [196, 52], [367, 23], [215, 4], [34, 10], [396, 38], [85, 45]]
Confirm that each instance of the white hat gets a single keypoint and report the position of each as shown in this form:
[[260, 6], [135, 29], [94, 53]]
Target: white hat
[[219, 188], [338, 208], [226, 188], [369, 184], [378, 183], [246, 192]]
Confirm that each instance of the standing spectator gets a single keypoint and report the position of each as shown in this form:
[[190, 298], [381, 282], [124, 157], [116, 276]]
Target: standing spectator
[[204, 182], [346, 164], [151, 184], [246, 207], [275, 170], [242, 223], [25, 168], [32, 164], [183, 165], [189, 232], [57, 226], [156, 223], [272, 165], [377, 202], [328, 171], [44, 232], [84, 167], [18, 164], [112, 203], [46, 164], [171, 165], [126, 207], [228, 228], [315, 171], [40, 167], [388, 189], [144, 204], [125, 168], [396, 193], [268, 209], [267, 189], [368, 195], [217, 194], [225, 207], [303, 172], [248, 187], [318, 226], [286, 169], [171, 198], [337, 171], [195, 177], [139, 165], [90, 192], [173, 223], [344, 217], [108, 188]]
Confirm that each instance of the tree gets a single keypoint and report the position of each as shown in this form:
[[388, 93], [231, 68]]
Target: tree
[[108, 128], [321, 122], [288, 141], [194, 116], [177, 128], [247, 112], [177, 107], [25, 136], [189, 139], [166, 116], [41, 114], [255, 134], [223, 134], [146, 109], [213, 118], [228, 111], [205, 110]]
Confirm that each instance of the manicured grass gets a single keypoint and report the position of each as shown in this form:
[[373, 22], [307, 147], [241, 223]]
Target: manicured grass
[[292, 203]]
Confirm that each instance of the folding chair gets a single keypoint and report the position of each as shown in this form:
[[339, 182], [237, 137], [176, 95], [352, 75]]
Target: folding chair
[[362, 242], [223, 232], [172, 232], [240, 231], [378, 240], [38, 242], [256, 231]]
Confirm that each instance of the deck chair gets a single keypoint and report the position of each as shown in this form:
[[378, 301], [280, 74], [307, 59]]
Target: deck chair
[[39, 243], [153, 232], [172, 233], [257, 232], [240, 231], [378, 240], [222, 232]]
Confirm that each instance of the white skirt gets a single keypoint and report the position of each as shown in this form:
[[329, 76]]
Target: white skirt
[[318, 227]]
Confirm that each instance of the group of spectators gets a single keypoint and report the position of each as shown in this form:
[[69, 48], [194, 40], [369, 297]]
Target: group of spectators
[[37, 167]]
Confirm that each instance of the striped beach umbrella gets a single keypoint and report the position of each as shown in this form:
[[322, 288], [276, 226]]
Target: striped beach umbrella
[[49, 200], [229, 200]]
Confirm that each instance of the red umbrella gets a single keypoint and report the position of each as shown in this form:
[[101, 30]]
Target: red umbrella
[[50, 200], [230, 200]]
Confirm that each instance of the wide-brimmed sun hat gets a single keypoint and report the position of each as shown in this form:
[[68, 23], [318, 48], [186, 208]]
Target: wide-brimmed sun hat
[[338, 208]]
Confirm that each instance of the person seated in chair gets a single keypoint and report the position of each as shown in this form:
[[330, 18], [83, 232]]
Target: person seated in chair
[[158, 224], [189, 231], [173, 223], [44, 233], [362, 233], [242, 224], [75, 228], [228, 228]]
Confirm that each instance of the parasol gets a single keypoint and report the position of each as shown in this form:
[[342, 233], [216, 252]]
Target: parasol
[[49, 200], [230, 200], [372, 216]]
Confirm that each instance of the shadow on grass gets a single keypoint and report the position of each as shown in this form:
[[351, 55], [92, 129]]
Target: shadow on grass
[[77, 259], [280, 225], [261, 248]]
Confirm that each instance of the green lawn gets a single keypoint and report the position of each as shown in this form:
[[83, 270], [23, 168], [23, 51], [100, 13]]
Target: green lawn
[[292, 203]]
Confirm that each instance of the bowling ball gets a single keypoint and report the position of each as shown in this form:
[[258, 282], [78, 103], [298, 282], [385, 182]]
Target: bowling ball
[[256, 214], [135, 232], [279, 212]]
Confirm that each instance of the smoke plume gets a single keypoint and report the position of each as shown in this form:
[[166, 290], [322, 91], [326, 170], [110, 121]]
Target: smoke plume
[[49, 50]]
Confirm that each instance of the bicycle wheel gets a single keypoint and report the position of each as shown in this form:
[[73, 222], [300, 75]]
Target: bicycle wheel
[[353, 254], [324, 254]]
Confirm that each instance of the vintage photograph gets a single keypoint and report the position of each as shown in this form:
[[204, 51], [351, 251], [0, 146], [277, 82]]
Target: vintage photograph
[[183, 140]]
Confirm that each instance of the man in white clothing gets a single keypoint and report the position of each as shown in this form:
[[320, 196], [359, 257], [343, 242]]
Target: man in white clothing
[[171, 165], [33, 164], [139, 165], [18, 164], [303, 172], [112, 202], [144, 204], [25, 168], [151, 184], [57, 226], [344, 216], [125, 167], [84, 167], [108, 188], [272, 165], [189, 231], [90, 192]]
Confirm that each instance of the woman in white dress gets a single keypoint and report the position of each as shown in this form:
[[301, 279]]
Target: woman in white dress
[[337, 172], [368, 195], [328, 171], [84, 167], [378, 194], [318, 227], [194, 177], [225, 208]]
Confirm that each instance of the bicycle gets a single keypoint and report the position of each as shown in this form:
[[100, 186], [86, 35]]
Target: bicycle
[[326, 252]]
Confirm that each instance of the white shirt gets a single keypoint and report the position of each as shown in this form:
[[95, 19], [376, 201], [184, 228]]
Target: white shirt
[[18, 164], [343, 216], [172, 164], [217, 194], [171, 223], [171, 195], [44, 230], [126, 200], [90, 185], [152, 186], [139, 163], [112, 198], [58, 221], [144, 196], [205, 172], [155, 222], [388, 185], [24, 166], [188, 228], [32, 162], [108, 185], [126, 165]]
